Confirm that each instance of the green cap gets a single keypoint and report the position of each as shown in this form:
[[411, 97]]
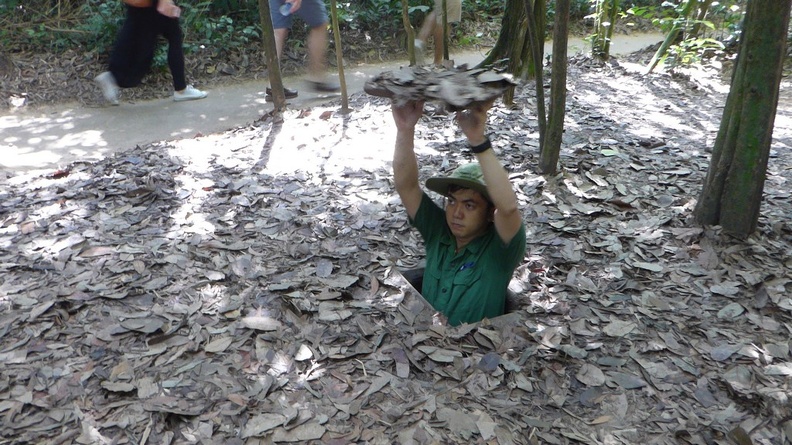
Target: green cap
[[467, 176]]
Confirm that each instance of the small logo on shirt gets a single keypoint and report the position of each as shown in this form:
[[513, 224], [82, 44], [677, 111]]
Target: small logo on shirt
[[467, 265]]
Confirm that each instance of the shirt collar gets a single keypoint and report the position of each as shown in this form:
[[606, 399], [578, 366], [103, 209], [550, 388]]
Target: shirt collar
[[474, 246]]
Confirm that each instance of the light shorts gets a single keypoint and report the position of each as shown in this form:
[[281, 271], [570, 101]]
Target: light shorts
[[312, 12], [454, 10]]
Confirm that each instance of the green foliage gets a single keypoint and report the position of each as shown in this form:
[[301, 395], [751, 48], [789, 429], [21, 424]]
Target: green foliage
[[484, 7], [578, 9], [367, 15], [205, 31], [582, 9], [665, 16], [727, 18], [214, 25], [722, 15], [100, 27], [699, 35], [218, 26], [690, 52], [468, 39]]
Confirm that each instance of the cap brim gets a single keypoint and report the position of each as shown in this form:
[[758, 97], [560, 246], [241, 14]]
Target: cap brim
[[440, 185]]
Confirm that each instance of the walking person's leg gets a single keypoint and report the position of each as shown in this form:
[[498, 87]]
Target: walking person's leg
[[433, 26], [281, 25], [427, 29], [317, 52], [453, 15], [314, 13], [132, 60], [280, 40], [132, 53], [170, 28]]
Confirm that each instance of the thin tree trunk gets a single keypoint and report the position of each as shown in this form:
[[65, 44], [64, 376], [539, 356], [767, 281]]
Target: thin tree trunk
[[702, 14], [537, 57], [551, 149], [540, 18], [732, 192], [519, 47], [669, 40], [511, 44], [672, 35], [339, 57], [410, 32], [599, 44], [273, 65], [445, 29], [613, 13]]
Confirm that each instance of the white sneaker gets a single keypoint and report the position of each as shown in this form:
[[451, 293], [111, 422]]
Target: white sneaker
[[109, 87], [189, 93]]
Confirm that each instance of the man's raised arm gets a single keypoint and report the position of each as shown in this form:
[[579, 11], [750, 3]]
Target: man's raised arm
[[508, 219], [405, 164]]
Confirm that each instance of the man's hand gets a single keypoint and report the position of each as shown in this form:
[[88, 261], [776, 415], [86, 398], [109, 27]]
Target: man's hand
[[406, 115], [295, 5], [473, 122]]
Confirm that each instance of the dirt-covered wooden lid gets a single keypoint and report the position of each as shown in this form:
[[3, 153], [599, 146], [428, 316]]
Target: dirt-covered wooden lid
[[458, 88]]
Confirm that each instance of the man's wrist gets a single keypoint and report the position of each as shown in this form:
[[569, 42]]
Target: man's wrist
[[405, 137], [481, 147], [406, 132]]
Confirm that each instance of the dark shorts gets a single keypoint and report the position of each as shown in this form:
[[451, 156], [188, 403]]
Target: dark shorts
[[312, 12]]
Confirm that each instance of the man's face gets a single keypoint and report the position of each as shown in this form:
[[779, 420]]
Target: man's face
[[467, 214]]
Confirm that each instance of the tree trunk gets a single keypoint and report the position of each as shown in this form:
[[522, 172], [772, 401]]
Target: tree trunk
[[605, 15], [512, 30], [273, 65], [732, 192], [540, 18], [444, 16], [513, 44], [537, 49], [548, 162], [339, 57], [410, 32], [695, 32], [671, 37], [614, 14]]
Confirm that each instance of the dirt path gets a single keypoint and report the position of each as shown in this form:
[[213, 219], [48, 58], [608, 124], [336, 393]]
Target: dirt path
[[49, 137]]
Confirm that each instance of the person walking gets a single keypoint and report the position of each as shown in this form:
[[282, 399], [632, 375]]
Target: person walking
[[433, 27], [476, 242], [134, 48], [314, 14]]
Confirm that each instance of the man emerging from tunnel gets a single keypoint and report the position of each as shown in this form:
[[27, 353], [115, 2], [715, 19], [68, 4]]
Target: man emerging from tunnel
[[476, 242]]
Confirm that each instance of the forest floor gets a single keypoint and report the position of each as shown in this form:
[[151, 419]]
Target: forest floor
[[240, 287]]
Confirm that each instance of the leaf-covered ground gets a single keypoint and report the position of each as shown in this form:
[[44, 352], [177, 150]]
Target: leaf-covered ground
[[239, 288]]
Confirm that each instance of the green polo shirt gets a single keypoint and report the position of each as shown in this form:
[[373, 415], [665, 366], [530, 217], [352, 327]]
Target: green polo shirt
[[470, 285]]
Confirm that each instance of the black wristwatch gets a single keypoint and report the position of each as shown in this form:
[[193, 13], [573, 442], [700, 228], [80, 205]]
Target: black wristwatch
[[482, 147]]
